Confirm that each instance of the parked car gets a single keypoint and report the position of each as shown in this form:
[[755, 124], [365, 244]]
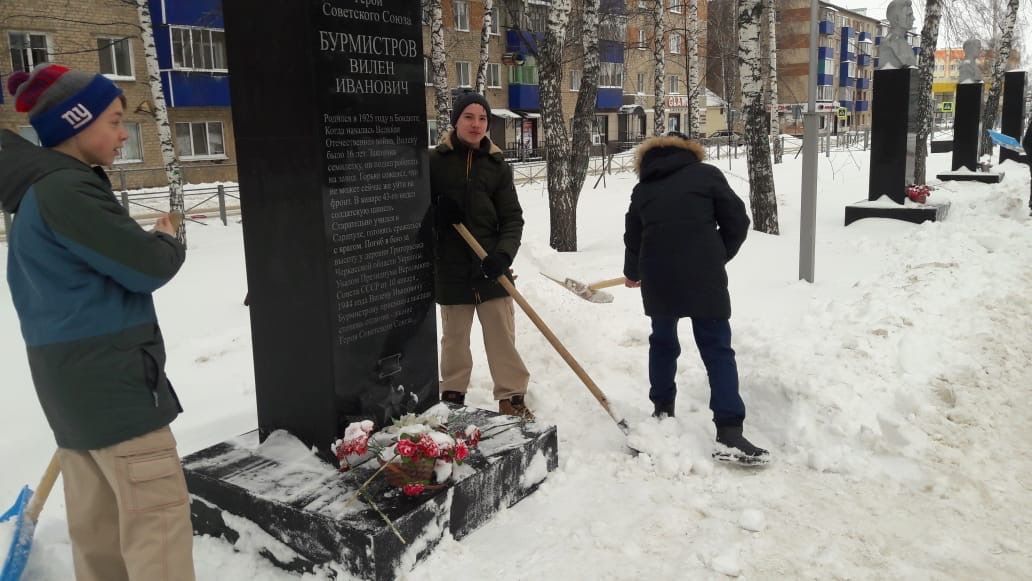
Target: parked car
[[724, 133]]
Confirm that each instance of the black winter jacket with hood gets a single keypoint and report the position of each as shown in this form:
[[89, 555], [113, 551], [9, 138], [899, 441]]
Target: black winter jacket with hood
[[683, 225]]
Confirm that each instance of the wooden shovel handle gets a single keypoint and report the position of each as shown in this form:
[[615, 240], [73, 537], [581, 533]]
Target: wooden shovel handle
[[540, 324], [46, 484], [606, 283]]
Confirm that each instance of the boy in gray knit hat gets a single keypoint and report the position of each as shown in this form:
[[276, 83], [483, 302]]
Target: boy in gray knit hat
[[81, 274]]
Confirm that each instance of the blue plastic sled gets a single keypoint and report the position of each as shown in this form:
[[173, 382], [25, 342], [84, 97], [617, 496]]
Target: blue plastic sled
[[18, 553], [1005, 141]]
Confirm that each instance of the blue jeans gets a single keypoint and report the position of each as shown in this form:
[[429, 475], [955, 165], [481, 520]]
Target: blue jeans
[[713, 338]]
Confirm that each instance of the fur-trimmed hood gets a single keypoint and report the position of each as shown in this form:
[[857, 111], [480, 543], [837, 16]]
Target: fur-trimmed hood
[[487, 147], [652, 147]]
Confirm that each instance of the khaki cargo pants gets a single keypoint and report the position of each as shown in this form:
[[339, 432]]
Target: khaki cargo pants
[[497, 318], [128, 511]]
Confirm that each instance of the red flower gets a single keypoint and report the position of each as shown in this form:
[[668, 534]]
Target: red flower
[[406, 448], [472, 436], [461, 451], [414, 489], [428, 446]]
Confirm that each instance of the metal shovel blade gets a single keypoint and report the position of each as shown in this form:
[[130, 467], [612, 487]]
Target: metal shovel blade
[[582, 290]]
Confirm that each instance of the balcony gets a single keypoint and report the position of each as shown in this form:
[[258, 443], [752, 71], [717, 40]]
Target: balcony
[[826, 80], [609, 98], [877, 40], [847, 33], [524, 97], [863, 60], [865, 37], [845, 81], [522, 41], [863, 84], [185, 89], [610, 51], [826, 27], [825, 53], [863, 106]]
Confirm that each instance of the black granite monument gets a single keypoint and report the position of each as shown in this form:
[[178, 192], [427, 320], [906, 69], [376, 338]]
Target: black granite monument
[[330, 120], [967, 122], [331, 139], [1013, 115], [893, 150]]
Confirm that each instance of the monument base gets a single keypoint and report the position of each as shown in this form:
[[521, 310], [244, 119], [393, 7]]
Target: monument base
[[986, 177], [942, 146], [915, 213], [309, 517]]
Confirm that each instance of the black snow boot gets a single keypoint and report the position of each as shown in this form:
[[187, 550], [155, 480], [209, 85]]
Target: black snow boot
[[663, 410], [455, 397], [735, 448]]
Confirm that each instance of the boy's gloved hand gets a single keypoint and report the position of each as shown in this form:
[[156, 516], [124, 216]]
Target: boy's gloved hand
[[495, 264]]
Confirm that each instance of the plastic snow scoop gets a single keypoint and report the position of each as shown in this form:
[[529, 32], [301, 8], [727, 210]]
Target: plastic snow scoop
[[540, 324], [1005, 141], [26, 511], [590, 292]]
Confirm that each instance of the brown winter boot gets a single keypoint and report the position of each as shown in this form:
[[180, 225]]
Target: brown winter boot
[[514, 406]]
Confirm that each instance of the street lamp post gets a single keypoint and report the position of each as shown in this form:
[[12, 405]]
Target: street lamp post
[[808, 217]]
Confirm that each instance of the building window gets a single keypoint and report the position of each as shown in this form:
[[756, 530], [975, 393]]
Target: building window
[[432, 138], [132, 150], [462, 74], [674, 122], [461, 9], [116, 57], [610, 75], [28, 49], [198, 49], [641, 39], [575, 79], [674, 85], [525, 74], [641, 83], [495, 24], [826, 67], [675, 6], [29, 134], [428, 71], [825, 92], [494, 75], [675, 43], [200, 140]]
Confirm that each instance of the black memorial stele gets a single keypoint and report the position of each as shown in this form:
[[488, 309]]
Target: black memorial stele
[[893, 145], [967, 122], [1012, 117], [331, 139]]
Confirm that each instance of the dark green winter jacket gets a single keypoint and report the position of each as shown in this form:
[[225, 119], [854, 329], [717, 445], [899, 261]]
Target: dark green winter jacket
[[81, 274], [480, 181]]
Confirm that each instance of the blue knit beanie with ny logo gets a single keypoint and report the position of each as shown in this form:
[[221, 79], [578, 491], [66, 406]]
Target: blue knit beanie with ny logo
[[61, 102]]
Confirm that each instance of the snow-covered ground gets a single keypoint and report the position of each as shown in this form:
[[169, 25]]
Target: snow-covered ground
[[892, 392]]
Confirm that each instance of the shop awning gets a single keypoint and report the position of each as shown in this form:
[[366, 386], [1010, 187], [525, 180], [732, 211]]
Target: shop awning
[[504, 113]]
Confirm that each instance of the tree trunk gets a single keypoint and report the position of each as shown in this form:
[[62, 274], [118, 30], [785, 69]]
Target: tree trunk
[[697, 103], [567, 155], [926, 68], [751, 63], [173, 172], [442, 100], [659, 73], [772, 71], [485, 46], [991, 112]]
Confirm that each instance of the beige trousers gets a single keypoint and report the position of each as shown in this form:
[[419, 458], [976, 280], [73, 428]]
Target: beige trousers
[[129, 511], [497, 318]]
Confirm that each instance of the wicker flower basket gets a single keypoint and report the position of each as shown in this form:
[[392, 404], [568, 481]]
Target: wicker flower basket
[[402, 472]]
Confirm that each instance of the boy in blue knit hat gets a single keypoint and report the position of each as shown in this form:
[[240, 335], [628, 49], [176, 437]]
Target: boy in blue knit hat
[[81, 274]]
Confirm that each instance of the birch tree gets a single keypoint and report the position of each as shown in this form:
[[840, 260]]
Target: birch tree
[[991, 111], [772, 73], [697, 101], [926, 69], [442, 102], [751, 64], [485, 46], [173, 171], [567, 155], [659, 72]]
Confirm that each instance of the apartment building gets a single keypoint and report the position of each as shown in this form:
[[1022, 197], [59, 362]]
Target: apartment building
[[191, 52]]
